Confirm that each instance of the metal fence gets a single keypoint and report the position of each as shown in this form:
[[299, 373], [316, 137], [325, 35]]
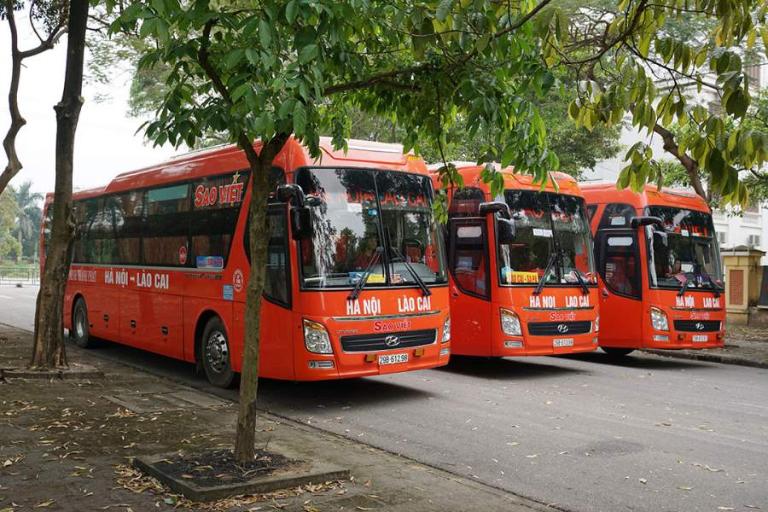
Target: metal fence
[[15, 275]]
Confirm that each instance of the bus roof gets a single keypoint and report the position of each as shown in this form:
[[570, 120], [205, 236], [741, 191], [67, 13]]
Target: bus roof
[[471, 172], [606, 192], [221, 159]]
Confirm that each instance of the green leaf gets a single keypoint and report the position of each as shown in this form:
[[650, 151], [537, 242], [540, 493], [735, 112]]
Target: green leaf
[[299, 119], [265, 33], [443, 8], [291, 10], [737, 103], [308, 53]]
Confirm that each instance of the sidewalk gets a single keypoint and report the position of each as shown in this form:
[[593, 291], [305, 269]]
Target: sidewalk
[[67, 445], [745, 346]]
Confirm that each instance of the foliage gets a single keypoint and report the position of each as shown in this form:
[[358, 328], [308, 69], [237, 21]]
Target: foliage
[[9, 246], [28, 217], [633, 58], [304, 66]]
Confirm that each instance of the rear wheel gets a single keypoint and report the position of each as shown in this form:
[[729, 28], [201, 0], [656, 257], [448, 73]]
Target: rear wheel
[[215, 354], [617, 352], [80, 327]]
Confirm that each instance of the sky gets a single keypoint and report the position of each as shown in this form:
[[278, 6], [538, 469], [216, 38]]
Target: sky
[[106, 144]]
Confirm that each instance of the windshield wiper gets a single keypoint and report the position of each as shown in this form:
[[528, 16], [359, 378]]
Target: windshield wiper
[[355, 293], [715, 288], [547, 269], [584, 288], [684, 287], [419, 281]]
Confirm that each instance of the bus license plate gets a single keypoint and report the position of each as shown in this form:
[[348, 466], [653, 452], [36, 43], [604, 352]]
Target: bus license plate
[[393, 358], [562, 342], [700, 338]]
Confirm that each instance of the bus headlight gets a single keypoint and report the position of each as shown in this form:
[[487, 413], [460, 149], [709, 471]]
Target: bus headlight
[[510, 323], [316, 338], [447, 330], [659, 320], [597, 324]]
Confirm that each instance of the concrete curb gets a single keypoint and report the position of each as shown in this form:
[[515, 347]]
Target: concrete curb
[[74, 372], [316, 473], [710, 357]]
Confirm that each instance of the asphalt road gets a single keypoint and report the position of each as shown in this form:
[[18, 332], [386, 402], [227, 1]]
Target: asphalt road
[[582, 433]]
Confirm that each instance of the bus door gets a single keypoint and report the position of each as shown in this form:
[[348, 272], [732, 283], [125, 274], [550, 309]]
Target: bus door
[[276, 351], [621, 310], [470, 290]]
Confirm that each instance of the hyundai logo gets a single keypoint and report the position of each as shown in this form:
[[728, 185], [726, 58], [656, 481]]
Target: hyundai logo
[[392, 341], [562, 328], [699, 326]]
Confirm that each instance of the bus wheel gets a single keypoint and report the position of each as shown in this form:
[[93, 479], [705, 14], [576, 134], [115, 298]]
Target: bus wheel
[[80, 327], [617, 352], [215, 354]]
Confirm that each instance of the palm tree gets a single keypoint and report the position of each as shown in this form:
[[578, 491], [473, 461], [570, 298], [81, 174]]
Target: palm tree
[[29, 215]]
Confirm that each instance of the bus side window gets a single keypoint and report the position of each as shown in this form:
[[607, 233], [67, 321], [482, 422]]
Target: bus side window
[[620, 269], [468, 261], [277, 277]]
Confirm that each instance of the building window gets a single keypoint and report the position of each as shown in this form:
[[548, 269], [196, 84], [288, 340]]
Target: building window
[[753, 240], [722, 238]]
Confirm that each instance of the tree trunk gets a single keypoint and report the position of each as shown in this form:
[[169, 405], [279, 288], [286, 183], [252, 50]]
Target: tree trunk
[[48, 350], [691, 166], [259, 239]]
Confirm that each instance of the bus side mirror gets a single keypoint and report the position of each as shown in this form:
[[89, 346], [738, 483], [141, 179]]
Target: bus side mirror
[[301, 222], [506, 231], [495, 207], [291, 193], [636, 222]]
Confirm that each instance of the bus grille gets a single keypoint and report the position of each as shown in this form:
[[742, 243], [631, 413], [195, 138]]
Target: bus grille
[[555, 329], [697, 325], [378, 341]]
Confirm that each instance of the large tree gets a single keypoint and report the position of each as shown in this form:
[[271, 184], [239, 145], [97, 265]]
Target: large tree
[[277, 68], [48, 346]]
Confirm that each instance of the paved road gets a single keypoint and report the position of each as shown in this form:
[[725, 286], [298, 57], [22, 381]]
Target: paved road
[[650, 434]]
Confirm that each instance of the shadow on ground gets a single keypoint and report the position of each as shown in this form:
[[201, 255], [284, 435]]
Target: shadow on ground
[[506, 369], [638, 360]]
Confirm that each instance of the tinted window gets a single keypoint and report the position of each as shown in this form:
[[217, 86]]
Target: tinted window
[[129, 213], [469, 263], [276, 278], [166, 226], [215, 209], [466, 202], [620, 268], [616, 215]]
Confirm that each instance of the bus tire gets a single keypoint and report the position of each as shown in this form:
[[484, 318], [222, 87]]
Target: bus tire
[[617, 352], [80, 327], [215, 354]]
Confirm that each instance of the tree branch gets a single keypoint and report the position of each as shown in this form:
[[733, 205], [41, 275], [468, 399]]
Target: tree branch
[[691, 165]]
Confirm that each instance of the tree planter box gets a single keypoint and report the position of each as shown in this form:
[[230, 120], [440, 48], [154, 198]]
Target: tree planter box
[[294, 475]]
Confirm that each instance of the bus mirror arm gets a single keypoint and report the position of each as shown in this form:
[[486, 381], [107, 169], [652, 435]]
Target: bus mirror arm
[[636, 222], [301, 222], [495, 207], [291, 193]]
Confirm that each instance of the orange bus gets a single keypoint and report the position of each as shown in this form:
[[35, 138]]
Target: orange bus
[[521, 268], [661, 282], [355, 282]]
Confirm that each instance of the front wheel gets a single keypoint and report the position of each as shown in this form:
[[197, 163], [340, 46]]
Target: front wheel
[[617, 352], [80, 327], [216, 355]]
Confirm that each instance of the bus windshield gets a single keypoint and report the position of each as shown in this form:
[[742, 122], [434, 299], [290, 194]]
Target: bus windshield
[[548, 227], [373, 222], [685, 252]]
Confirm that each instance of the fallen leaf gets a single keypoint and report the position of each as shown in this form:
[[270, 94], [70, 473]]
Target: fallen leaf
[[643, 481], [684, 488], [44, 504]]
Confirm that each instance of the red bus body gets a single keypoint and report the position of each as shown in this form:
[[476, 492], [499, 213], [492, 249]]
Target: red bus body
[[163, 308], [643, 269], [562, 318]]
